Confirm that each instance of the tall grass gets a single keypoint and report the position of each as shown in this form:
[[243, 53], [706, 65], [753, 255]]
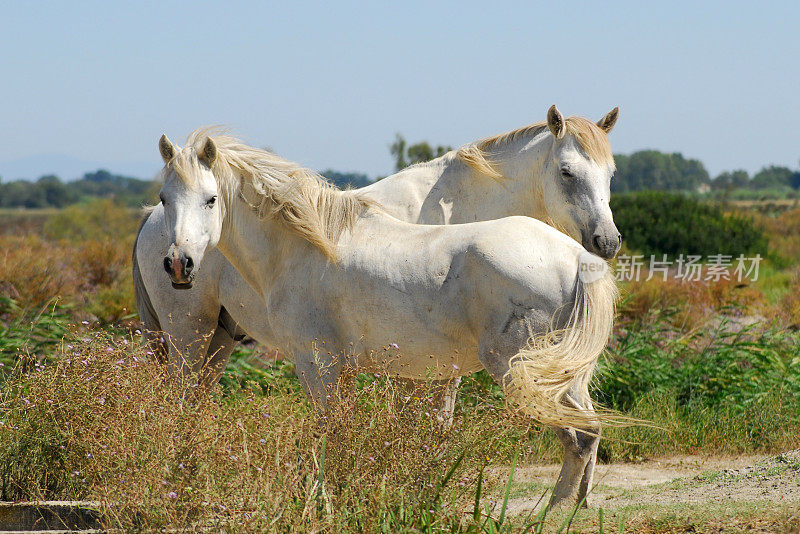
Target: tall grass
[[711, 391], [101, 422]]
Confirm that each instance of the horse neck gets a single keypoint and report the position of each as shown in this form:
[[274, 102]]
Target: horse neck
[[448, 191], [523, 162], [256, 247]]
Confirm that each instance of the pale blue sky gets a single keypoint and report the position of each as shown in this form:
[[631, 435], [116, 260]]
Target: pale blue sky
[[328, 84]]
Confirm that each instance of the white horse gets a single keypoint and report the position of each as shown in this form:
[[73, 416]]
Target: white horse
[[556, 171], [341, 280]]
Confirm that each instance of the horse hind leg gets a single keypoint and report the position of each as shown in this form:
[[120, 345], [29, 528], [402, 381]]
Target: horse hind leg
[[445, 398], [495, 352], [580, 456], [593, 444]]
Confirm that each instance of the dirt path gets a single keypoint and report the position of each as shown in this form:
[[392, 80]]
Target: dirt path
[[675, 480]]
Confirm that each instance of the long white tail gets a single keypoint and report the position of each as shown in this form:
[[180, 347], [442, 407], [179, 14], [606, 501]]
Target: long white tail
[[563, 360]]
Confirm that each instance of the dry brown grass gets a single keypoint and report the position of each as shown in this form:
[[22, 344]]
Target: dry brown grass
[[103, 423], [71, 260], [691, 304]]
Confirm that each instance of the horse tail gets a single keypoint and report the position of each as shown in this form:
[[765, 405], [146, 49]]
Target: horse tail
[[151, 326], [563, 360]]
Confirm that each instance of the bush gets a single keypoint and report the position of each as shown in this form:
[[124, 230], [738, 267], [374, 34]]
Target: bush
[[657, 223]]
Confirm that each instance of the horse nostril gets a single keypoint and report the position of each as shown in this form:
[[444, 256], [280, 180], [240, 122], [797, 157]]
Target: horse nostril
[[167, 265], [597, 244], [189, 265], [619, 238]]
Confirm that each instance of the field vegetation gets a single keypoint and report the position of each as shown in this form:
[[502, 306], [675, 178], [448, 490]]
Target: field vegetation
[[85, 413]]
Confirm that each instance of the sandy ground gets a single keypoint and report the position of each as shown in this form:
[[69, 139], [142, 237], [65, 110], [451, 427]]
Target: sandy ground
[[675, 480]]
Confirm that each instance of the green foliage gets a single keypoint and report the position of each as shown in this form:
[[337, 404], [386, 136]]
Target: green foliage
[[651, 169], [97, 218], [50, 191], [717, 370], [34, 332], [654, 222], [345, 180], [774, 177], [421, 152], [731, 180]]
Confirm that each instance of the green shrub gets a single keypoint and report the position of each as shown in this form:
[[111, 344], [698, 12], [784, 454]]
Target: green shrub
[[653, 222], [94, 219]]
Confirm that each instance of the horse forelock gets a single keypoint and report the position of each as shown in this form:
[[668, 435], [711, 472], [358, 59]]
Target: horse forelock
[[590, 137], [304, 200]]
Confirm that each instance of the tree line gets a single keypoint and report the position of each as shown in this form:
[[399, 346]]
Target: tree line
[[640, 171], [654, 170]]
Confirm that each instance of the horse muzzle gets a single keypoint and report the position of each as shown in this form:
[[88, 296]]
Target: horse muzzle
[[180, 269]]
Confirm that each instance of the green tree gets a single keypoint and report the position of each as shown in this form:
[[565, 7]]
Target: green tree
[[56, 193], [421, 152], [651, 169], [731, 180], [773, 177], [398, 151]]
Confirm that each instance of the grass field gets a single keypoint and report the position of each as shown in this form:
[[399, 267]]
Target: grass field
[[86, 414]]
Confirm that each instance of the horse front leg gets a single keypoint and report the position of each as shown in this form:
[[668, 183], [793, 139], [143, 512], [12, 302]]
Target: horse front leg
[[219, 354], [319, 376]]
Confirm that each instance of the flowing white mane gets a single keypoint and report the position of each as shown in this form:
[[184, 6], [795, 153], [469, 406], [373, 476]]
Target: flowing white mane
[[591, 138], [274, 187]]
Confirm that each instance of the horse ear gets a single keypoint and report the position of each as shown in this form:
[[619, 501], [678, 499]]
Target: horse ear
[[555, 121], [209, 153], [607, 123], [166, 148]]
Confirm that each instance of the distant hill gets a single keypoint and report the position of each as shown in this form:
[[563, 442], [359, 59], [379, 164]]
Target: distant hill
[[69, 168]]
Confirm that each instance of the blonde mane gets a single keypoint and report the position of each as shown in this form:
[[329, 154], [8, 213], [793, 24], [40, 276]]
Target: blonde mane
[[591, 138], [274, 187]]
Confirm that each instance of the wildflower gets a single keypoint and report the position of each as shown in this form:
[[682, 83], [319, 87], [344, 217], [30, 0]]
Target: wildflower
[[262, 441], [234, 458], [395, 346], [259, 469], [84, 322], [455, 367], [172, 495]]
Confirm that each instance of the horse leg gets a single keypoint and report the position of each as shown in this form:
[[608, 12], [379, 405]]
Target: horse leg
[[219, 354], [594, 443], [188, 338], [444, 396], [580, 455], [496, 349], [319, 375], [227, 334]]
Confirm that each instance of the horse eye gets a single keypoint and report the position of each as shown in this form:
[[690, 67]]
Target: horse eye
[[161, 198], [210, 201], [566, 174]]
